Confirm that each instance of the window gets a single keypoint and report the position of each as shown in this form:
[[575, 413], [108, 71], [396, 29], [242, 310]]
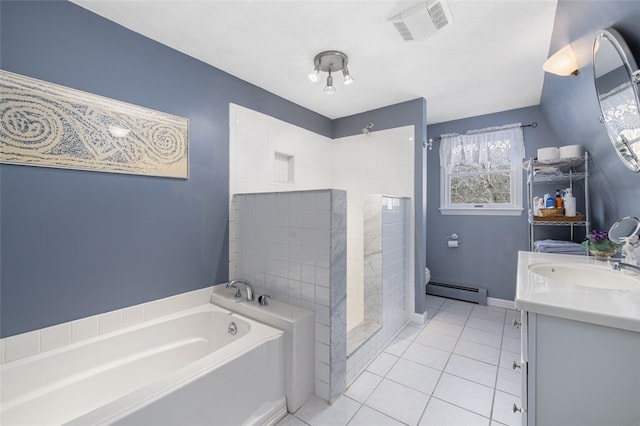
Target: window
[[621, 118], [481, 172]]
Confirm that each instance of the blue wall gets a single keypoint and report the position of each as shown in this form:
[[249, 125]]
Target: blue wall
[[571, 103], [489, 245], [78, 243], [74, 243]]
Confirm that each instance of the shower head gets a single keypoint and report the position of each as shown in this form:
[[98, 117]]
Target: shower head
[[367, 129]]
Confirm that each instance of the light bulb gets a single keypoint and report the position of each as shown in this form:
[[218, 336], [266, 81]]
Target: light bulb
[[329, 89], [313, 75], [347, 77]]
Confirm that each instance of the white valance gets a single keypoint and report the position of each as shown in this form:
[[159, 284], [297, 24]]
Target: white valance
[[494, 148], [621, 117]]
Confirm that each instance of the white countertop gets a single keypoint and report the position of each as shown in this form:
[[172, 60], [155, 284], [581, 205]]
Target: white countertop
[[608, 307]]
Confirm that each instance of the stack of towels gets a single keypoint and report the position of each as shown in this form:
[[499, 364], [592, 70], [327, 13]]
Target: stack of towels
[[557, 246], [546, 171]]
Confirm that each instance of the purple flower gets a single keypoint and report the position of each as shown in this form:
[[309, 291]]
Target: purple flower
[[597, 236]]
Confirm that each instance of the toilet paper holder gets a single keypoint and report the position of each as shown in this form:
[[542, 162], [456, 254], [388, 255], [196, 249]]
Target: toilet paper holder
[[452, 241]]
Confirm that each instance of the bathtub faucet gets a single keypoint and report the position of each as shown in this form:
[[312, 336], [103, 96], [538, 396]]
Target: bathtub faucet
[[247, 285]]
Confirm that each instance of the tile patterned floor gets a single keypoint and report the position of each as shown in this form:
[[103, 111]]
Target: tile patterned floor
[[454, 370]]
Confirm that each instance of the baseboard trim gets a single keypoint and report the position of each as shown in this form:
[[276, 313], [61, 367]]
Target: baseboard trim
[[501, 303], [418, 318]]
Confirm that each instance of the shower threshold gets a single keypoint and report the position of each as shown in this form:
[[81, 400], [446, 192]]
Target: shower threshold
[[360, 334]]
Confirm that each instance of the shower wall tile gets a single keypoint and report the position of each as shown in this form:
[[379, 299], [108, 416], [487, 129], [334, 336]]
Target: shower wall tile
[[395, 265], [323, 335], [292, 246], [322, 352], [255, 139], [338, 292], [386, 275], [322, 390], [359, 359], [378, 163], [372, 284]]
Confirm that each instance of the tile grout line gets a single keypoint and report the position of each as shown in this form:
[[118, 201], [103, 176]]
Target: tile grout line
[[493, 394], [364, 403], [378, 411], [445, 364], [494, 388]]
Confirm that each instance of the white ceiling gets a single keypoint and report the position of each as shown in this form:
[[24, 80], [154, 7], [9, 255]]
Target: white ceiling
[[489, 60]]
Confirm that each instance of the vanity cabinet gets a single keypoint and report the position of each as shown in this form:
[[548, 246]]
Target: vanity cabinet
[[569, 172], [578, 373]]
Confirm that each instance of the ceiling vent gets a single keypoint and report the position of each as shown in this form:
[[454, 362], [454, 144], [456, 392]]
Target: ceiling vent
[[423, 20]]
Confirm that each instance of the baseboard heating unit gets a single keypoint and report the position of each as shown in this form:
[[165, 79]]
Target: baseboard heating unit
[[454, 291]]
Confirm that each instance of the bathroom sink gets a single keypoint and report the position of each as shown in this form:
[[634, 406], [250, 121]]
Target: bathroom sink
[[595, 276]]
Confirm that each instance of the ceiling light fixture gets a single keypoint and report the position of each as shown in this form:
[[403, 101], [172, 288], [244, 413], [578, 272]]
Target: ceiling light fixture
[[563, 62], [330, 61]]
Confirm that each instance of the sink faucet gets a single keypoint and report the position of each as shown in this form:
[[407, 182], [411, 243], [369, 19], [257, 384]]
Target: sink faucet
[[247, 285], [621, 265]]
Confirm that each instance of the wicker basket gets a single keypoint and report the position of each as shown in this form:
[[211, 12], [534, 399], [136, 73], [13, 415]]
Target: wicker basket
[[552, 211], [576, 218]]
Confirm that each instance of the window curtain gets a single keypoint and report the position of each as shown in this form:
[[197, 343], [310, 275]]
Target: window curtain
[[494, 148]]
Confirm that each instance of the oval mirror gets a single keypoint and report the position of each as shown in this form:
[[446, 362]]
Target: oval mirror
[[616, 79], [623, 229]]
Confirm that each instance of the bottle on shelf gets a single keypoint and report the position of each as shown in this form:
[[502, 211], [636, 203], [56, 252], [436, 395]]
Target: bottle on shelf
[[569, 203], [549, 201], [559, 202]]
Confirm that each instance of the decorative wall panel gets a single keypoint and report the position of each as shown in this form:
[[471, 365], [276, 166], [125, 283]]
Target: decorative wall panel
[[44, 124]]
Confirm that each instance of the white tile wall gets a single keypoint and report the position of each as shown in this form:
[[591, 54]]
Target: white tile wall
[[378, 163], [109, 322], [254, 140], [285, 256], [54, 337], [26, 344], [21, 345], [363, 355], [289, 257], [132, 315], [395, 264], [394, 244]]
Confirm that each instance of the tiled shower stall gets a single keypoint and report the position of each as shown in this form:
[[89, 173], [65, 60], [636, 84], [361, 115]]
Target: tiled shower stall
[[386, 267], [270, 156]]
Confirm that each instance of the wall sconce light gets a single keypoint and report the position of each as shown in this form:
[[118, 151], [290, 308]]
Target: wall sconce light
[[563, 62], [331, 61]]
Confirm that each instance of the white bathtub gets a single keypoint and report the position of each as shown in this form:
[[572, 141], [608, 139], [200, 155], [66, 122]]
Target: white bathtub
[[180, 369]]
